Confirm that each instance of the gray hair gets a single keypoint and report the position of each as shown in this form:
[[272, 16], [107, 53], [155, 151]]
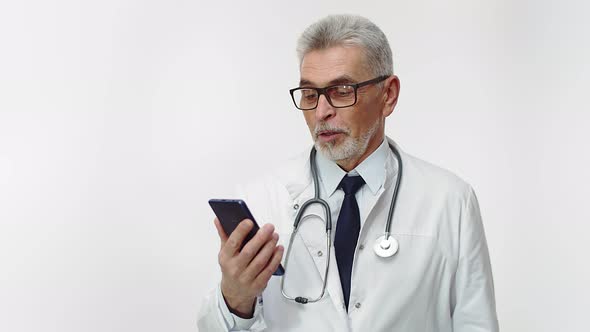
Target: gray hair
[[349, 30]]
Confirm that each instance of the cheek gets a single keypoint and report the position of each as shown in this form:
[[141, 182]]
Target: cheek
[[357, 121], [363, 119], [310, 120]]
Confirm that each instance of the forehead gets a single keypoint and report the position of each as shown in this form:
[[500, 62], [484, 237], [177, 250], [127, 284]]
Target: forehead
[[322, 67]]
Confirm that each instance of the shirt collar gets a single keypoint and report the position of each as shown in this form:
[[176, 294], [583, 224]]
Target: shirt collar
[[372, 170]]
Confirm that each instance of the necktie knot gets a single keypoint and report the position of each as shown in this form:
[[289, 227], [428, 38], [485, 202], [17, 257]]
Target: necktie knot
[[351, 184]]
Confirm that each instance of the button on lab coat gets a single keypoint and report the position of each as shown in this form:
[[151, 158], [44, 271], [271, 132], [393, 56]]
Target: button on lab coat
[[440, 279]]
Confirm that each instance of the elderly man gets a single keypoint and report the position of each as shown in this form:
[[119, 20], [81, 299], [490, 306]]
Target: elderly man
[[433, 271]]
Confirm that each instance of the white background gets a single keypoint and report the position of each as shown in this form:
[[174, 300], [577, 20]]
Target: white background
[[120, 119]]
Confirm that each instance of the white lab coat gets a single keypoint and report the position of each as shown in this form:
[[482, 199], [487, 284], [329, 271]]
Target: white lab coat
[[440, 280]]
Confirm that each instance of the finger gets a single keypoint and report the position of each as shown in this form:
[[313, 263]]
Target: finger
[[261, 259], [253, 246], [235, 239], [220, 232], [263, 277]]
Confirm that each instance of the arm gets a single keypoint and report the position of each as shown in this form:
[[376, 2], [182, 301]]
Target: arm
[[215, 316], [474, 305], [245, 274]]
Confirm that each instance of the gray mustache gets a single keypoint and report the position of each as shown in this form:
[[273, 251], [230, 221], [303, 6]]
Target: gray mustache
[[325, 127]]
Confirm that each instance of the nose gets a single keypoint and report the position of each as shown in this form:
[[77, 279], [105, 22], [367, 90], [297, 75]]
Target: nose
[[324, 110]]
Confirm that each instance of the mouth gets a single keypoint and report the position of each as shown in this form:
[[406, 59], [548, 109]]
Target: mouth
[[328, 135]]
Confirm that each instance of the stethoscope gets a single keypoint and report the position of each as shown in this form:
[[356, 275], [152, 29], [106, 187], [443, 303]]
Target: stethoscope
[[385, 246]]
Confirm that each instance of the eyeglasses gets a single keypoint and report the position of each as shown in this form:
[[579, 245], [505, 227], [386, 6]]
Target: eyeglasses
[[339, 96]]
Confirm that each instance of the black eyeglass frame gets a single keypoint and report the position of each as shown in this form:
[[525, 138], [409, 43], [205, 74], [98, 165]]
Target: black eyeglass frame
[[322, 91]]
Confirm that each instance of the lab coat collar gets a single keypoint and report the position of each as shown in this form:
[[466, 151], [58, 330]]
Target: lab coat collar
[[295, 175]]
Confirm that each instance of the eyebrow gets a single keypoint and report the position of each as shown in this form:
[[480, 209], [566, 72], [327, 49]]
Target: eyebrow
[[344, 79]]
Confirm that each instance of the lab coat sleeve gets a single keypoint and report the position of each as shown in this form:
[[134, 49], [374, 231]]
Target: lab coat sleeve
[[474, 305], [216, 317]]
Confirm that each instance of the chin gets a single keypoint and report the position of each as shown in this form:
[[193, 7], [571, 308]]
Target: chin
[[338, 151]]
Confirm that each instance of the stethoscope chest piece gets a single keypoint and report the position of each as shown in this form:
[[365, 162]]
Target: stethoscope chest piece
[[386, 247]]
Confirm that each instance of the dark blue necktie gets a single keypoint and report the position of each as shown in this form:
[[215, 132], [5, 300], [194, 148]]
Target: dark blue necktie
[[347, 231]]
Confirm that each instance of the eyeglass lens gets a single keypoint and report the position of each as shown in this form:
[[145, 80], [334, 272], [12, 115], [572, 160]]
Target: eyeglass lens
[[338, 96]]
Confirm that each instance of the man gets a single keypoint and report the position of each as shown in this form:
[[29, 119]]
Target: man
[[439, 280]]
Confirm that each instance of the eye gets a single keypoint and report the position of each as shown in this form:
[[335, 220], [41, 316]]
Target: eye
[[309, 94], [342, 91]]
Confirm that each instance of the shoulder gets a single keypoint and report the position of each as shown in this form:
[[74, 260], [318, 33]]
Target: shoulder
[[433, 179], [289, 175], [270, 194], [438, 202]]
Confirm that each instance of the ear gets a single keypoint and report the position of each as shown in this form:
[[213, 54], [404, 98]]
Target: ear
[[390, 95]]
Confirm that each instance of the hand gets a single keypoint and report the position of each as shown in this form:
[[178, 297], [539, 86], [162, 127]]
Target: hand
[[245, 274]]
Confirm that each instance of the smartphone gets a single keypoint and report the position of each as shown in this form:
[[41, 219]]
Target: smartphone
[[230, 213]]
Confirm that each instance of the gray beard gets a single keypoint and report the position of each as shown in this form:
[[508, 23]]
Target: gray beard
[[349, 148]]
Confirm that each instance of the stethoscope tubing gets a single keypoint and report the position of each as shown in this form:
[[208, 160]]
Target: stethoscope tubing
[[395, 190], [317, 200]]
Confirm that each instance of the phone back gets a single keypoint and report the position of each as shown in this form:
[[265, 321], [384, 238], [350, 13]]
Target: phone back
[[230, 213]]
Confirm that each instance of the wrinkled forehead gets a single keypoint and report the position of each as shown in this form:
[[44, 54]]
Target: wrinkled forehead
[[333, 65]]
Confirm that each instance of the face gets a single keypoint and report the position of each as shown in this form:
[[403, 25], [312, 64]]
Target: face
[[346, 135]]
